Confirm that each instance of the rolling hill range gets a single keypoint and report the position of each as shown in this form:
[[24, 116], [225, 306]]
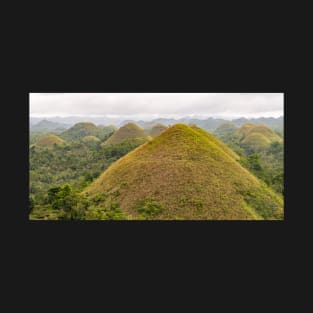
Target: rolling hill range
[[211, 123], [128, 132], [184, 173]]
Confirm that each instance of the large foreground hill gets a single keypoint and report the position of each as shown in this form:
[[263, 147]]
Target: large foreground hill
[[185, 173]]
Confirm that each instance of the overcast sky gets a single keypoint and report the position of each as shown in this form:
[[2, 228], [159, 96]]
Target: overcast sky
[[154, 105]]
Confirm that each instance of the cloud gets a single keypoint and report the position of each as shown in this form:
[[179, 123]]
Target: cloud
[[147, 105]]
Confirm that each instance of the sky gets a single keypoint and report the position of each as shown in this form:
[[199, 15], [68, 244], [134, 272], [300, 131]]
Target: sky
[[148, 106]]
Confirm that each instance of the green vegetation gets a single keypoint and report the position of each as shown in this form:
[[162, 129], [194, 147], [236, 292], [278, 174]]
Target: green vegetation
[[108, 129], [261, 151], [149, 207], [74, 163]]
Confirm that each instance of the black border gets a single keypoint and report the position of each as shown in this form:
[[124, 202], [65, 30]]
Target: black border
[[127, 234]]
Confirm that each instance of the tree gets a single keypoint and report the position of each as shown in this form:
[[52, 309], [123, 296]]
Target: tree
[[254, 162], [53, 194]]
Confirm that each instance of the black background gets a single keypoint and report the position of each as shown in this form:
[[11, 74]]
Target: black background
[[220, 262]]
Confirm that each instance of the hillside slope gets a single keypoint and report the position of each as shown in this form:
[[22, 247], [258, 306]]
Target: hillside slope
[[185, 173]]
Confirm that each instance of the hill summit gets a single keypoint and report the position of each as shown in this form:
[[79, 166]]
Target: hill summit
[[185, 173], [127, 132]]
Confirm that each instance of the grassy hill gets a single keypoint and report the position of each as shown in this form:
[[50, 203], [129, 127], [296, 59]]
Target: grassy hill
[[80, 130], [257, 137], [127, 132], [49, 141], [157, 129], [184, 173]]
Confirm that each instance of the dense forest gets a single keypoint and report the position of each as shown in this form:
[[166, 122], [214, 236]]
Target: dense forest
[[74, 172]]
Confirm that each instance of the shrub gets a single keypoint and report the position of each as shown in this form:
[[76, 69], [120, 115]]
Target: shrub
[[149, 207]]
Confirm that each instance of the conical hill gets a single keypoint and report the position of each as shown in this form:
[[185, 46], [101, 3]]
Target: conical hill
[[127, 132], [185, 173], [49, 141]]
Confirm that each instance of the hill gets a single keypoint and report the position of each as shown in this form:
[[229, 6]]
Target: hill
[[108, 129], [184, 173], [157, 129], [49, 141], [225, 130], [127, 132], [80, 130], [256, 138], [47, 126]]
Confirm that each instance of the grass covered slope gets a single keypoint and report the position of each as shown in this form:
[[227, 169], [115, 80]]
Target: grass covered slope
[[185, 173], [127, 132], [49, 141]]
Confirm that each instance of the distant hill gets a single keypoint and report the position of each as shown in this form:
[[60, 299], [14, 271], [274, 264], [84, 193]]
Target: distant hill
[[80, 130], [271, 122], [225, 130], [257, 137], [185, 173], [47, 126], [108, 129], [126, 132], [49, 141], [157, 129]]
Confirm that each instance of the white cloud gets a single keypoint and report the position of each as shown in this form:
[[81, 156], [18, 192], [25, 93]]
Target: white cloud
[[151, 105]]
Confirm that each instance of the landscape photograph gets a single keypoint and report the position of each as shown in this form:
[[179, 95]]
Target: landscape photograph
[[156, 156]]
